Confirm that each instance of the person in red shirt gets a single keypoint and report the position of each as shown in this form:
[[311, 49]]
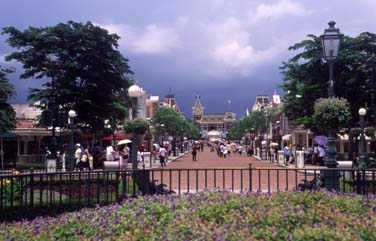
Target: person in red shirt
[[142, 148]]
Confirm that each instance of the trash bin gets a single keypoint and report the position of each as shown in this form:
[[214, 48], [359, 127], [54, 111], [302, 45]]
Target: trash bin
[[147, 159], [111, 165], [281, 158], [299, 159], [51, 164]]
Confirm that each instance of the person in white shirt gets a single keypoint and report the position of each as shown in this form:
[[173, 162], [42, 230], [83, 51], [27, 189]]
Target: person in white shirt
[[162, 155], [109, 153], [125, 155], [77, 155], [321, 155]]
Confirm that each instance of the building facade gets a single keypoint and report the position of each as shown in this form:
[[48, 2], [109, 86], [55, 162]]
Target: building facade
[[211, 122]]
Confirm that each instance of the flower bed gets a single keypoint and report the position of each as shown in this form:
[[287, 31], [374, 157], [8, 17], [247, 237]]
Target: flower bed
[[212, 216]]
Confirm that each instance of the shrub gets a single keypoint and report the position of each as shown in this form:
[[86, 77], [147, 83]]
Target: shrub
[[212, 216], [138, 126]]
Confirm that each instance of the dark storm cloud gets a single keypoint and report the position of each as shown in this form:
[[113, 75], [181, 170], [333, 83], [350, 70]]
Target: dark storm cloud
[[225, 50]]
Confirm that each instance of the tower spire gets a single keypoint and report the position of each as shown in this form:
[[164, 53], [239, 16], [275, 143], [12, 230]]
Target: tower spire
[[197, 109]]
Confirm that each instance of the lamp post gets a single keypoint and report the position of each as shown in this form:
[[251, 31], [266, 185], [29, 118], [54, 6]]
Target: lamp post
[[150, 136], [72, 114], [278, 134], [134, 92], [162, 132], [362, 158], [331, 40], [51, 69], [371, 86]]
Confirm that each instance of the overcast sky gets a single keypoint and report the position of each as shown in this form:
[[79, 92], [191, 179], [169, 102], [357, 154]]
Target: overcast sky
[[222, 49]]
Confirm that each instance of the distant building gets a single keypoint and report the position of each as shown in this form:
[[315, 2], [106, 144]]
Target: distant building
[[170, 101], [261, 102], [26, 140], [211, 122]]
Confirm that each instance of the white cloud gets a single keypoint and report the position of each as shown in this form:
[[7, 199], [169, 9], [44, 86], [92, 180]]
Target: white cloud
[[219, 49], [231, 50], [156, 40], [281, 8], [153, 39]]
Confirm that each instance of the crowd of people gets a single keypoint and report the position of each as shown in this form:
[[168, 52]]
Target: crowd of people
[[93, 157], [312, 155]]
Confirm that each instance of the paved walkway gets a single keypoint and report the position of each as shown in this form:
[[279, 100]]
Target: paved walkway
[[233, 172]]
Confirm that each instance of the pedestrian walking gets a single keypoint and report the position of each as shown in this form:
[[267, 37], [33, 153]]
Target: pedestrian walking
[[286, 153], [162, 156], [194, 153], [321, 155]]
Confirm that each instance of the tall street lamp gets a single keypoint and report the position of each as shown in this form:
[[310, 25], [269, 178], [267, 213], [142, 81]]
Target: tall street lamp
[[149, 139], [362, 159], [371, 86], [72, 114], [134, 92], [331, 40], [53, 107], [162, 132]]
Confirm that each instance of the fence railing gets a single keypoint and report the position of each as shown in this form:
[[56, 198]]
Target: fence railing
[[28, 194]]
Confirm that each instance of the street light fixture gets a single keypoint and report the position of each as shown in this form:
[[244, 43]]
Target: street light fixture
[[150, 136], [134, 92], [331, 40], [362, 158], [162, 132], [72, 114]]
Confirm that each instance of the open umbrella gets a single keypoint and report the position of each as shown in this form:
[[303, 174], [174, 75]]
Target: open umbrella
[[321, 140], [125, 141]]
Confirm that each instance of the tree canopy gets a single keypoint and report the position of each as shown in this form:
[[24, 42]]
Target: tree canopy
[[306, 76], [174, 124], [83, 69], [7, 113], [255, 123]]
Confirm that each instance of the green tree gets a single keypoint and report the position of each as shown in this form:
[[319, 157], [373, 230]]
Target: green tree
[[236, 131], [174, 125], [7, 113], [172, 121], [83, 68], [256, 122], [306, 76]]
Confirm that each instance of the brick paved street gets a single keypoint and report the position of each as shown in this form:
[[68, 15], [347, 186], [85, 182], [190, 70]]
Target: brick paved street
[[213, 172]]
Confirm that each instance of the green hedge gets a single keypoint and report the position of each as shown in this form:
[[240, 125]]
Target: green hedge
[[28, 165]]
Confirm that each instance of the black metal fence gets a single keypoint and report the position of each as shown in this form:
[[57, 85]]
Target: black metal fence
[[29, 194]]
